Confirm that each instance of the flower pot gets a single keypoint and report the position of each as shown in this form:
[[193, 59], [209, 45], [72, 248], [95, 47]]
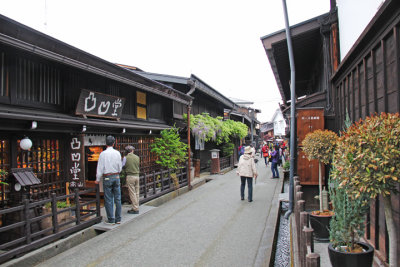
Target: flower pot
[[286, 174], [320, 224], [345, 259]]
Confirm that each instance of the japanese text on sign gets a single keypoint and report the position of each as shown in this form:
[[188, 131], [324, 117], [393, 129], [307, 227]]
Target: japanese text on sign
[[99, 105], [76, 168]]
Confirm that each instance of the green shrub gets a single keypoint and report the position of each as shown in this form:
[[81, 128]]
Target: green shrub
[[227, 149]]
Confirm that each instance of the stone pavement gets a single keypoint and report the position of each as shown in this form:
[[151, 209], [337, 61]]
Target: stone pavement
[[208, 226]]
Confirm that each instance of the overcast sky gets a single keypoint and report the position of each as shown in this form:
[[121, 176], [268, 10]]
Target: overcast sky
[[217, 40]]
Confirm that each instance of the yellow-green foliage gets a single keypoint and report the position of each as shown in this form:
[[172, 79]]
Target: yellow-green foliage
[[320, 145], [367, 158]]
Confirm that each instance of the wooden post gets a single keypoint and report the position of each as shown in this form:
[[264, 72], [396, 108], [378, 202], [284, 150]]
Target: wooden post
[[77, 206], [98, 200], [28, 221], [308, 234], [145, 185], [162, 180], [188, 137], [313, 260], [303, 245], [298, 209], [54, 212], [154, 182]]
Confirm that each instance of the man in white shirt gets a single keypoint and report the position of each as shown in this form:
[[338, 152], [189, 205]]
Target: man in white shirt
[[109, 166]]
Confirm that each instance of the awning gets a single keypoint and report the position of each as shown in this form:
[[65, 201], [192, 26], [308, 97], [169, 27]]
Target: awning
[[25, 176]]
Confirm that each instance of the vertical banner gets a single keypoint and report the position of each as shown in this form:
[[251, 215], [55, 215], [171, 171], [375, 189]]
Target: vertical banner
[[76, 162]]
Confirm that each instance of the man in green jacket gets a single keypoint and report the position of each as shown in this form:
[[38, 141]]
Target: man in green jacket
[[131, 169]]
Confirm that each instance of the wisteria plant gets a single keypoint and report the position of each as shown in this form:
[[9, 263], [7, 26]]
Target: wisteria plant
[[207, 128]]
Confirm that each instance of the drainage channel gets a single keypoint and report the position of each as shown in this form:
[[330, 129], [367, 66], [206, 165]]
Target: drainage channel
[[282, 246]]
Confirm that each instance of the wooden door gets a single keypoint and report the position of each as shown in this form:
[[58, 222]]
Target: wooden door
[[308, 170], [308, 120]]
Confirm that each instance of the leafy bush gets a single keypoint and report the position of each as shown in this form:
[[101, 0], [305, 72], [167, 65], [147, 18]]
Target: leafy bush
[[286, 165], [227, 149], [60, 205], [170, 150], [320, 145], [368, 163]]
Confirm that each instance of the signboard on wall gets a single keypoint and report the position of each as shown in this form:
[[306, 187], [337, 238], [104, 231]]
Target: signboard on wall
[[99, 105], [76, 162]]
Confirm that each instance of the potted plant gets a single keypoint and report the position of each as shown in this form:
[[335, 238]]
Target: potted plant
[[286, 169], [171, 152], [61, 217], [320, 145], [371, 165], [347, 223]]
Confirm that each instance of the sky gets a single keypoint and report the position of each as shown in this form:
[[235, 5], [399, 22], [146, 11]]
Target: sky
[[217, 40]]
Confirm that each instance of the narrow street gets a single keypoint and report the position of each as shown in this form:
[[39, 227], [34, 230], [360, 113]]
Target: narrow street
[[208, 226]]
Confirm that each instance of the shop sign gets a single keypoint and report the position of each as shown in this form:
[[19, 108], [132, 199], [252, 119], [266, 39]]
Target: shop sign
[[76, 167], [96, 104]]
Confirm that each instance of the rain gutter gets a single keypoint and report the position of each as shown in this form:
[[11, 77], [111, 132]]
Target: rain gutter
[[292, 109]]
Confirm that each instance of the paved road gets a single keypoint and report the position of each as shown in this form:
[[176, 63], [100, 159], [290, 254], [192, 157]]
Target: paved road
[[208, 226]]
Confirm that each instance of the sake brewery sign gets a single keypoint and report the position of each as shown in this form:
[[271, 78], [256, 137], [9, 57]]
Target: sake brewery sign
[[99, 105]]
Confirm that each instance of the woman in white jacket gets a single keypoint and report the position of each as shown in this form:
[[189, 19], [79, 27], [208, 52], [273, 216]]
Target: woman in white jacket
[[247, 170]]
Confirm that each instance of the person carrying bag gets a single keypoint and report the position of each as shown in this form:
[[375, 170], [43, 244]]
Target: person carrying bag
[[247, 170]]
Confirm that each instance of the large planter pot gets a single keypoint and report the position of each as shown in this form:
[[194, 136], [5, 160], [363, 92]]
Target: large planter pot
[[320, 224], [286, 174], [343, 259]]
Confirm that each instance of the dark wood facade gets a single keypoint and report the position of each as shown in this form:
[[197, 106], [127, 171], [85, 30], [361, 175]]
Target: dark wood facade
[[205, 100], [367, 82], [41, 81]]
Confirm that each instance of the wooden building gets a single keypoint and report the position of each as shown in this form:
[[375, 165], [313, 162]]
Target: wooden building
[[65, 101], [205, 100], [315, 53], [365, 82]]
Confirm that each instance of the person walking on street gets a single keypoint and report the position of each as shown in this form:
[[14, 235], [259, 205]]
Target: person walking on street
[[131, 168], [109, 166], [274, 163], [247, 170], [265, 153]]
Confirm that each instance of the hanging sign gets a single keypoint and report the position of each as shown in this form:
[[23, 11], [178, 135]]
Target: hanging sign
[[76, 167], [99, 105]]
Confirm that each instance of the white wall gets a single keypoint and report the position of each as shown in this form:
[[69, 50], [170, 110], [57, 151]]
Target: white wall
[[279, 124], [354, 16]]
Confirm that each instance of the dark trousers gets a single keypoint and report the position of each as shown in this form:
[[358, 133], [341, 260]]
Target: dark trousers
[[249, 186], [274, 168]]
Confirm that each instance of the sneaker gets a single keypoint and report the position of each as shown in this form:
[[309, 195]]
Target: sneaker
[[133, 211], [118, 222], [109, 223]]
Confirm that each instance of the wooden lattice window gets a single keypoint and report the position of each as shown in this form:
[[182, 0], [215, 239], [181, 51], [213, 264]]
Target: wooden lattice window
[[4, 165], [142, 146], [38, 82], [46, 159], [4, 79]]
